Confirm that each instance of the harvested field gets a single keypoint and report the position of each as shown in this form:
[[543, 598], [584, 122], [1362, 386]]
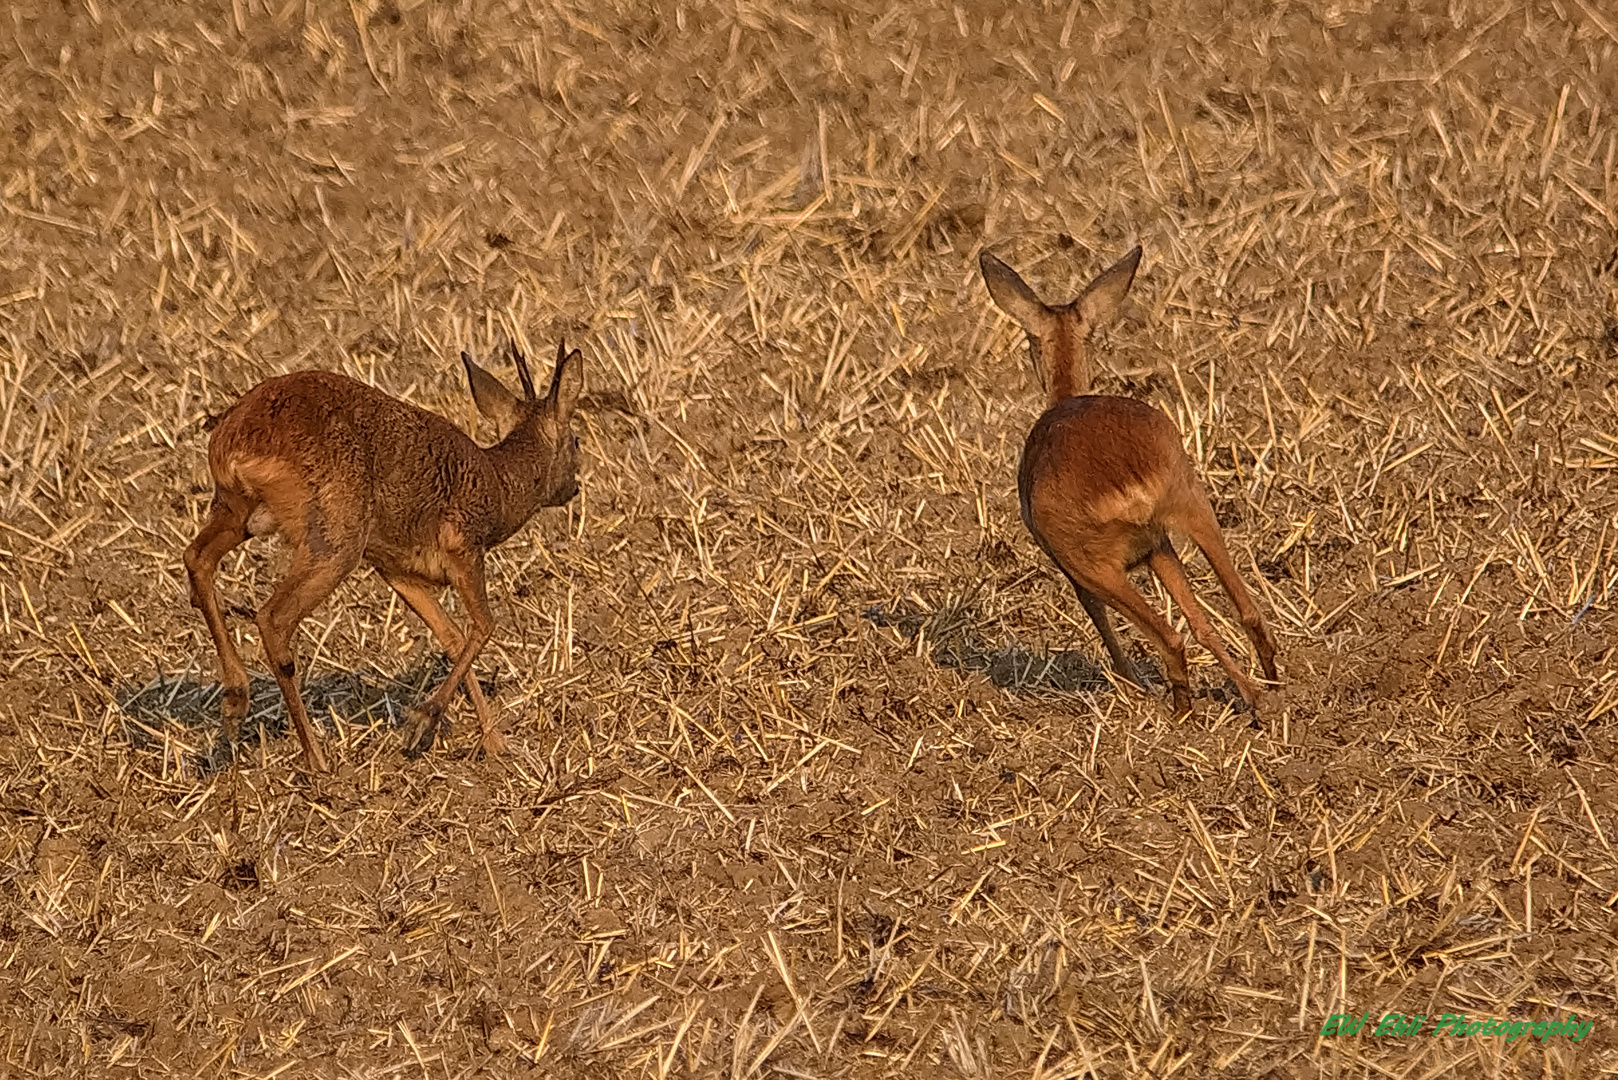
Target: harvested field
[[814, 770]]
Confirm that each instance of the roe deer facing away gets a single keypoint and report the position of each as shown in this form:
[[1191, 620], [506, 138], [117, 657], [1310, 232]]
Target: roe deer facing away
[[1102, 480], [347, 474]]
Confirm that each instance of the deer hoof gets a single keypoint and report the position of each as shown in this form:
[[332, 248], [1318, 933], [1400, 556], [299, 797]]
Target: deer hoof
[[494, 744], [421, 727]]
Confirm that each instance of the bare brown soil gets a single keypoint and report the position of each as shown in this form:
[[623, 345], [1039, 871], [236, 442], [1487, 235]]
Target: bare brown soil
[[813, 772]]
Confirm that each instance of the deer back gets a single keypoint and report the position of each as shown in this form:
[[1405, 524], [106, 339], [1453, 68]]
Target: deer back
[[1099, 459]]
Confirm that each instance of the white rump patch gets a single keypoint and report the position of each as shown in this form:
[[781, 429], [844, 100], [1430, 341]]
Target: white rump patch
[[261, 522], [1135, 504]]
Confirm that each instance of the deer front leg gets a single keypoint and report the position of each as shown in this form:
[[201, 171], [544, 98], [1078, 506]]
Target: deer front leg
[[465, 571], [421, 598]]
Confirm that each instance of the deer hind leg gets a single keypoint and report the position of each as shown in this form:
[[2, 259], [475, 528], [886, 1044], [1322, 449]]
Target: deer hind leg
[[1171, 572], [323, 554], [465, 572], [421, 597], [1111, 585], [1200, 525], [225, 528], [1093, 606], [1097, 610]]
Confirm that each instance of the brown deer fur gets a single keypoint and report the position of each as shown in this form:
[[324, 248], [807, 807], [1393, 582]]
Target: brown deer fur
[[1103, 479], [347, 474]]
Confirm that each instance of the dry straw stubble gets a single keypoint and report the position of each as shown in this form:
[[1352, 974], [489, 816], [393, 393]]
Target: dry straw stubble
[[745, 830]]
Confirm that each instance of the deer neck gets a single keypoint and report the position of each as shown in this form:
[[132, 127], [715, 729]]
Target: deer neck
[[1067, 367], [519, 468]]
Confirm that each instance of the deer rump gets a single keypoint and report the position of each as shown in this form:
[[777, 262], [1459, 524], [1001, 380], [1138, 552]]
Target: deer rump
[[1096, 466]]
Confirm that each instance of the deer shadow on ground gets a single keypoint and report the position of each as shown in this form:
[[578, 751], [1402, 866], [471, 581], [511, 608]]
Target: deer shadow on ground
[[365, 699], [949, 633]]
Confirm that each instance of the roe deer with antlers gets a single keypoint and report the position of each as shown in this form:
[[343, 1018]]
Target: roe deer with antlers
[[1103, 479], [347, 474]]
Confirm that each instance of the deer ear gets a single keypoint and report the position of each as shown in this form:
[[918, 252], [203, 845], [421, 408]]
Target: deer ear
[[1012, 295], [567, 384], [1099, 302], [497, 404]]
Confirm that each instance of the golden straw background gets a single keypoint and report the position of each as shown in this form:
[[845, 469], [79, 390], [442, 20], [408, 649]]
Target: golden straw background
[[813, 772]]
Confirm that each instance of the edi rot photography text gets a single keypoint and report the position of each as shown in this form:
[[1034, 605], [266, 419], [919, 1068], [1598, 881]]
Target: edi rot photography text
[[1570, 1028]]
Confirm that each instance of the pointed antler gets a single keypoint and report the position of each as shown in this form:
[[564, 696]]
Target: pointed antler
[[561, 356], [523, 377]]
